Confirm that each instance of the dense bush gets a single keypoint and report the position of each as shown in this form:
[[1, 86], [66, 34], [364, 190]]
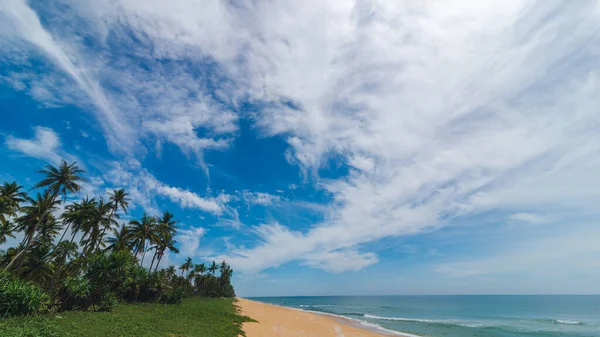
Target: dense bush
[[18, 298], [75, 293]]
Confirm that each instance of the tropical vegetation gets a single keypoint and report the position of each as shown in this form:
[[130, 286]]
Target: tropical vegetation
[[80, 254], [197, 316]]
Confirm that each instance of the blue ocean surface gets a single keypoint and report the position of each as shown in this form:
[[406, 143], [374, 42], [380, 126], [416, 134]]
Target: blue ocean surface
[[464, 316]]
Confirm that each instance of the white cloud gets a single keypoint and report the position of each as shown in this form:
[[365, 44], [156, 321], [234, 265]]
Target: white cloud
[[132, 103], [45, 145], [443, 109], [22, 22], [189, 240], [143, 187], [259, 198]]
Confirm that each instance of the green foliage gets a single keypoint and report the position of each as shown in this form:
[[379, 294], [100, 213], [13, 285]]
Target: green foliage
[[94, 273], [201, 317], [19, 298], [30, 326], [75, 293]]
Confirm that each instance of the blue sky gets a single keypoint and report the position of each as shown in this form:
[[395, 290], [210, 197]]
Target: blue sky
[[327, 147]]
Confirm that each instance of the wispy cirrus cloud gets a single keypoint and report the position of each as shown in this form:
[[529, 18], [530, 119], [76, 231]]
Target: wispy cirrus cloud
[[144, 187], [44, 145], [437, 111]]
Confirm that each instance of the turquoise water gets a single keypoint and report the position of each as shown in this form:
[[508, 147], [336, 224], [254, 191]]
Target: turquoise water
[[464, 316]]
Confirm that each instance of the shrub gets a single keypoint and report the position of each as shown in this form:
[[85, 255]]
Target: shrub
[[175, 296], [18, 298], [108, 301], [75, 293]]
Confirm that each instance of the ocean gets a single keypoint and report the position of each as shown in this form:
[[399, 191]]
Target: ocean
[[463, 316]]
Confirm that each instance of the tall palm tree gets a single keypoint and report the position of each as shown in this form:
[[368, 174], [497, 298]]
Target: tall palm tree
[[200, 268], [6, 230], [35, 215], [223, 268], [99, 219], [64, 179], [141, 232], [65, 251], [77, 215], [117, 199], [213, 268], [37, 267], [166, 228], [187, 264], [120, 241], [48, 230], [11, 198], [165, 242]]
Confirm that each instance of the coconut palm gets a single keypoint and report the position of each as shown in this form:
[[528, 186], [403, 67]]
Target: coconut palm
[[65, 251], [77, 216], [142, 232], [35, 215], [99, 218], [165, 242], [36, 266], [200, 269], [64, 179], [120, 241], [213, 268], [187, 264], [166, 228], [118, 199], [11, 198], [48, 230], [6, 230]]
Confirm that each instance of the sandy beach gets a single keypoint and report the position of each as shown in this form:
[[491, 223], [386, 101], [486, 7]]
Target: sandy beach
[[279, 321]]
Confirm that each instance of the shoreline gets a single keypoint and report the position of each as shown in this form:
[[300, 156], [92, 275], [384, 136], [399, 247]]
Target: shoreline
[[287, 321]]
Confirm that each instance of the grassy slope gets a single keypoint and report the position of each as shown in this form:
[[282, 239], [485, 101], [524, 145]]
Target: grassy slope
[[193, 317]]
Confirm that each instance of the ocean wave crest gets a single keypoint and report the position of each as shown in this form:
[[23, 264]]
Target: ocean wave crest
[[468, 324], [567, 322]]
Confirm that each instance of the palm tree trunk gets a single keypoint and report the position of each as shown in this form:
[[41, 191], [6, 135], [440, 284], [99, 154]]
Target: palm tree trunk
[[65, 232], [29, 242], [143, 255], [105, 228], [159, 259], [153, 257]]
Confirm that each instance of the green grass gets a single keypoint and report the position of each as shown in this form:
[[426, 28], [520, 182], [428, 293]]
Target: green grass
[[193, 317]]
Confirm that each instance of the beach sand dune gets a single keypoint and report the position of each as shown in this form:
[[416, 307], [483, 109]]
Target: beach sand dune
[[279, 321]]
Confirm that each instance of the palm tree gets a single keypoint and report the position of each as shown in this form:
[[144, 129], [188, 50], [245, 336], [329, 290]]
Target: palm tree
[[65, 251], [48, 230], [165, 242], [63, 179], [6, 230], [165, 229], [213, 268], [77, 215], [99, 219], [141, 232], [35, 215], [186, 265], [223, 268], [171, 271], [118, 199], [200, 268], [36, 266], [11, 198], [120, 241]]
